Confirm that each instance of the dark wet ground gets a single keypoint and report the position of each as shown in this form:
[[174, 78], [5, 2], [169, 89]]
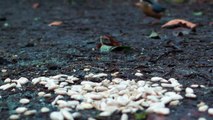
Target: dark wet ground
[[30, 48]]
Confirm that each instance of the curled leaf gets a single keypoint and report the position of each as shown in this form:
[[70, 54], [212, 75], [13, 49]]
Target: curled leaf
[[55, 23], [179, 23], [109, 40], [109, 43]]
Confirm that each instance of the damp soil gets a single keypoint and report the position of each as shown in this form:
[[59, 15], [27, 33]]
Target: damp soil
[[30, 48]]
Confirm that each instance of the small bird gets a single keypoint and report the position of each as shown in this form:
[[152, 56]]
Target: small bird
[[151, 8]]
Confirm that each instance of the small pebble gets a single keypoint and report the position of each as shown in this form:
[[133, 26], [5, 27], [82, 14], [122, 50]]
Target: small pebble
[[24, 101]]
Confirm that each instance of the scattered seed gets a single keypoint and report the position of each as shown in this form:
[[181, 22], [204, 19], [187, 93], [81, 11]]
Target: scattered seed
[[45, 109], [7, 86], [201, 118], [41, 94], [190, 95], [90, 118], [86, 69], [105, 114], [24, 101], [76, 115], [189, 90], [56, 116], [3, 70], [210, 111], [8, 80], [56, 99], [47, 95], [114, 74], [156, 79], [201, 104], [36, 80], [174, 103], [203, 108], [109, 95], [14, 117], [21, 109], [124, 117], [22, 80], [67, 114], [138, 74], [166, 85], [163, 111], [30, 112], [84, 105], [195, 86]]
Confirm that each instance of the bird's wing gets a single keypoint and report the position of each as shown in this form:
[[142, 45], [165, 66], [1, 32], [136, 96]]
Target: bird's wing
[[158, 8]]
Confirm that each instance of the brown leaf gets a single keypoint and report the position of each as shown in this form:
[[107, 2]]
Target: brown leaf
[[108, 40], [179, 23], [55, 23], [35, 5]]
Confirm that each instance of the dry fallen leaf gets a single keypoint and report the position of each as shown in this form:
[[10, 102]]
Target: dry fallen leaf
[[179, 23], [108, 40], [109, 43], [55, 23], [35, 5]]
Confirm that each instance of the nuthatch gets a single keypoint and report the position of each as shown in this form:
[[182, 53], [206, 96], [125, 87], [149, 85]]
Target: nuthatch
[[151, 8]]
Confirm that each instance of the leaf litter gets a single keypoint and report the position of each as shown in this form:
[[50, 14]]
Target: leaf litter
[[110, 44]]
